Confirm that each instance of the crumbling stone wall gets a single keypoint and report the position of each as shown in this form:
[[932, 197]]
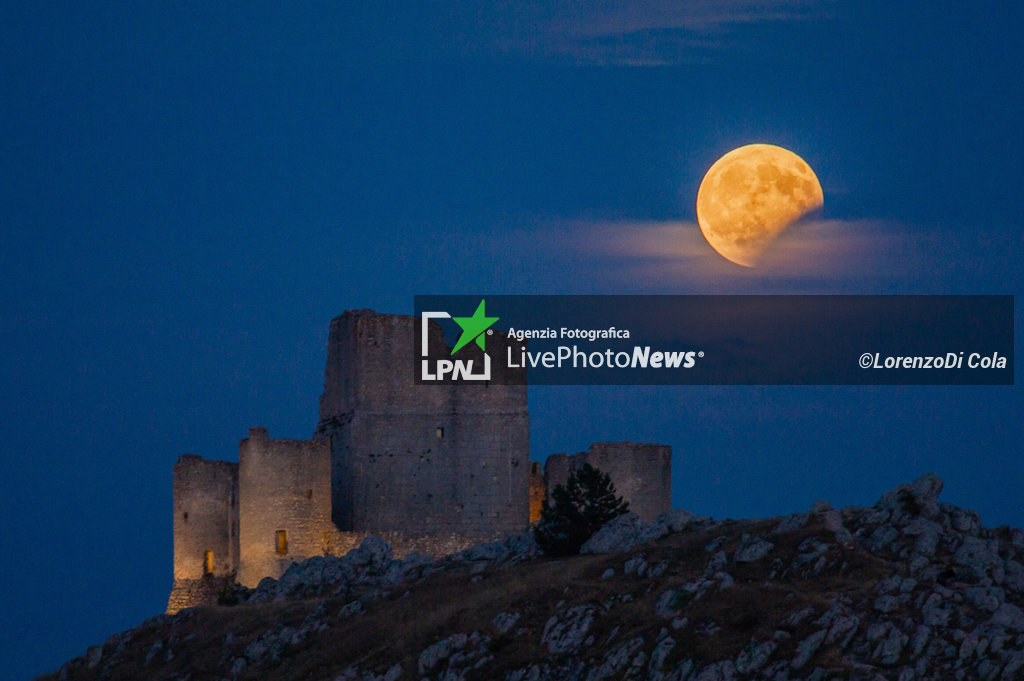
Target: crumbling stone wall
[[187, 593], [284, 486], [404, 544], [205, 500], [420, 459], [641, 473], [205, 497], [538, 491]]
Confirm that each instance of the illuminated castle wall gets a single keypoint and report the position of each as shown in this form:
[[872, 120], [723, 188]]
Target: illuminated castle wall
[[284, 504], [205, 528]]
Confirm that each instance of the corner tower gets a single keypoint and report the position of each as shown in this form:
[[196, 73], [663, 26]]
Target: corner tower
[[205, 529], [284, 504], [419, 459]]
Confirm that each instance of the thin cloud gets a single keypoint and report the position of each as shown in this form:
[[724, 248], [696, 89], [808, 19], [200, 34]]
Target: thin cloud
[[643, 33], [824, 256], [597, 32], [609, 17]]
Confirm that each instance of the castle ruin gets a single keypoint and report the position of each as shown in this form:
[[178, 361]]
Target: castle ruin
[[431, 468]]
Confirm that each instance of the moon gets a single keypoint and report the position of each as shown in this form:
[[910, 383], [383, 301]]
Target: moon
[[750, 196]]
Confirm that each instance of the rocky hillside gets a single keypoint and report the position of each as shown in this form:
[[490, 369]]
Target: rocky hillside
[[908, 589]]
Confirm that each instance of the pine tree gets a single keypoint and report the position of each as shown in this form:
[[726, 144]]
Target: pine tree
[[577, 510]]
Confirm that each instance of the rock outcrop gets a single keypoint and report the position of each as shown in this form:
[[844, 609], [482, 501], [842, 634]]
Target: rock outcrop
[[909, 589]]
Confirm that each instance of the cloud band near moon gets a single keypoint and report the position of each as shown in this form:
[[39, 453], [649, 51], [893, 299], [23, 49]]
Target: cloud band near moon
[[819, 256]]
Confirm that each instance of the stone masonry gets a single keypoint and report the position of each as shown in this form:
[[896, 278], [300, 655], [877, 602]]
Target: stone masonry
[[641, 473], [205, 527], [284, 504], [538, 491], [419, 458]]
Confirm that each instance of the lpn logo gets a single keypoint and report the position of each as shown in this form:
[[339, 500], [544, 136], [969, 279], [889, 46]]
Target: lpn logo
[[474, 330]]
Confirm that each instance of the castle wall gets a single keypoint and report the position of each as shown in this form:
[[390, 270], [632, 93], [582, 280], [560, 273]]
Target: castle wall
[[284, 485], [188, 593], [419, 458], [394, 473], [436, 545], [205, 517], [557, 469], [538, 491], [641, 473]]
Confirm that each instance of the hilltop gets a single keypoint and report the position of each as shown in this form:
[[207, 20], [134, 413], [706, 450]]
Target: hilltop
[[906, 589]]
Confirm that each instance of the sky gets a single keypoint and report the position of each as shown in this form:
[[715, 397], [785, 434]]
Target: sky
[[189, 192]]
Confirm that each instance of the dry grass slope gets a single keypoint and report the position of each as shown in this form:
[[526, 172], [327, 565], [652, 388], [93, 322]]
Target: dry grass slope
[[396, 628]]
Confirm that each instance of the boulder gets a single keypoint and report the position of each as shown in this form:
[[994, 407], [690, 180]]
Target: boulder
[[928, 533], [661, 651], [754, 656], [833, 521], [373, 553], [791, 523], [621, 533], [433, 655], [566, 633], [720, 671], [806, 648], [890, 647], [821, 506], [935, 611], [918, 498], [1009, 616], [752, 549], [965, 520], [977, 554], [676, 520], [504, 621]]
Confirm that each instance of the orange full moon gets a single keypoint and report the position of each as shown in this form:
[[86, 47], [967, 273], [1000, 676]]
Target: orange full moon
[[750, 196]]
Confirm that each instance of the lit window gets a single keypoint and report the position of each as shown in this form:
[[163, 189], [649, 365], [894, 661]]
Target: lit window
[[309, 494], [282, 542], [440, 433], [208, 562]]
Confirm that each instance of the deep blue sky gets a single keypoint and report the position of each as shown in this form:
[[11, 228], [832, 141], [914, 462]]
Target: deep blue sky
[[189, 194]]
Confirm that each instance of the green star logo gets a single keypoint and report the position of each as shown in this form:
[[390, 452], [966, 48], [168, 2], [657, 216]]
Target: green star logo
[[473, 328]]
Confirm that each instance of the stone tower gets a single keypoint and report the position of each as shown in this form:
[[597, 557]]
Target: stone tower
[[419, 459], [284, 504], [206, 525], [205, 517]]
